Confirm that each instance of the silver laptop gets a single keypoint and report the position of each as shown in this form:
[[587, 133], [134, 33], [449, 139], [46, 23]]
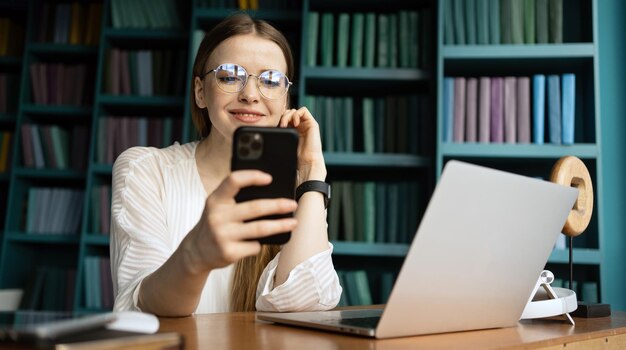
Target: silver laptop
[[484, 238]]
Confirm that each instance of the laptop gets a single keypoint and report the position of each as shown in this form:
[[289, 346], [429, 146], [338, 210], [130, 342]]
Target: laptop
[[478, 251]]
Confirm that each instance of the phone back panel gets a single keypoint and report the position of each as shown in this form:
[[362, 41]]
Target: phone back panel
[[276, 155]]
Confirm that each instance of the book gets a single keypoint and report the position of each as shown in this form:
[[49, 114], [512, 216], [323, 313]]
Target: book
[[312, 42], [369, 212], [334, 211], [539, 102], [471, 104], [523, 110], [517, 22], [554, 109], [448, 22], [496, 109], [459, 22], [369, 47], [347, 209], [459, 109], [392, 61], [119, 340], [343, 35], [328, 37], [510, 110], [494, 22], [404, 39], [368, 125], [448, 109], [541, 21], [363, 288], [568, 106], [484, 105], [470, 22], [555, 15], [356, 42], [506, 21], [358, 211], [383, 40], [482, 22], [529, 21]]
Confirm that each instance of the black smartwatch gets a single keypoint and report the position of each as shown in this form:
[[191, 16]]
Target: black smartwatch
[[317, 186]]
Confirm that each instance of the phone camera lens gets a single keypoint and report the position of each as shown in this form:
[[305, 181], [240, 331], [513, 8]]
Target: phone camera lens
[[245, 138], [244, 151], [256, 145]]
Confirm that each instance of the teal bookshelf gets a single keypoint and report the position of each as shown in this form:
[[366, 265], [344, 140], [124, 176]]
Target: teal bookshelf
[[24, 252], [34, 252], [578, 54]]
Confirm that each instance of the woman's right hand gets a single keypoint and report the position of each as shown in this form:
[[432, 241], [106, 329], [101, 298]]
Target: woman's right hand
[[222, 236]]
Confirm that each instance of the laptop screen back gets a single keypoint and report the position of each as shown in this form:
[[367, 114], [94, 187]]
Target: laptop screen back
[[484, 238]]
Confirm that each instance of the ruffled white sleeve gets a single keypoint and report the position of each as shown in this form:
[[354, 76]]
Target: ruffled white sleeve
[[312, 285], [140, 243]]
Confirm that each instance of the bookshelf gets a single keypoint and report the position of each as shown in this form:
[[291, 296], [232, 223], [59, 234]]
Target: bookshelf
[[110, 105], [576, 52]]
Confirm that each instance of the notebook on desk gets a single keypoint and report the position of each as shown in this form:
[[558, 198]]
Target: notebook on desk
[[478, 251]]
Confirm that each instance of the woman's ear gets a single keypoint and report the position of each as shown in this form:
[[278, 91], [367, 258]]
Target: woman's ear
[[199, 92]]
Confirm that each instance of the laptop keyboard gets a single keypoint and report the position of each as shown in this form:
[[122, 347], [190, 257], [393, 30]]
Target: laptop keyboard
[[364, 322]]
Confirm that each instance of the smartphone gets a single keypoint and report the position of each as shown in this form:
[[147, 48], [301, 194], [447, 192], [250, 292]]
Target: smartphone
[[274, 151]]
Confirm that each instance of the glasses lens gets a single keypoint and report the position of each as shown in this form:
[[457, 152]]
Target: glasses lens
[[273, 84], [230, 77]]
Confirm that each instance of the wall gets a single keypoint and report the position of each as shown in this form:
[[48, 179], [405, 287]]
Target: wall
[[612, 52]]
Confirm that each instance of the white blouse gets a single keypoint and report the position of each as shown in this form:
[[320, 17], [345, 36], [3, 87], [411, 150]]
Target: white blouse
[[157, 198]]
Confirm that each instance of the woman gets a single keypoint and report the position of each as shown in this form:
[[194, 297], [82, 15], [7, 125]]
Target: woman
[[179, 241]]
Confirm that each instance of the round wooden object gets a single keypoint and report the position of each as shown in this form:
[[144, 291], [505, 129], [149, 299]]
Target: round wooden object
[[571, 171]]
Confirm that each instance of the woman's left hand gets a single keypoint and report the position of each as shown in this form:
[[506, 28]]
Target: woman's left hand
[[311, 164]]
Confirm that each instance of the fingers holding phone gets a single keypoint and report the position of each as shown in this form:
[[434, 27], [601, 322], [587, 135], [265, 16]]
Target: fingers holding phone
[[229, 235]]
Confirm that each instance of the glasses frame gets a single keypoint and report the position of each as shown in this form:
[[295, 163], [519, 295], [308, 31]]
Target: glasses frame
[[258, 86]]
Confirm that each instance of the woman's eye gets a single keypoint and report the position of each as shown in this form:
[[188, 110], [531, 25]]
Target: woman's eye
[[270, 83], [228, 80]]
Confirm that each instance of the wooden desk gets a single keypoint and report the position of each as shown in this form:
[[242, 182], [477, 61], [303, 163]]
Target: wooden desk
[[241, 331]]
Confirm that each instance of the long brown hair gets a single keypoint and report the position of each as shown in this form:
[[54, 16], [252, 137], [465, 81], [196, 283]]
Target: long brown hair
[[248, 270]]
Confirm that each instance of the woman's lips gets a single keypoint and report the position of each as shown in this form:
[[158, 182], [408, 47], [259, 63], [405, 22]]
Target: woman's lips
[[247, 117]]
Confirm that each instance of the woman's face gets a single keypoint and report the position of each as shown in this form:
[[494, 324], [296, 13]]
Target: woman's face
[[228, 111]]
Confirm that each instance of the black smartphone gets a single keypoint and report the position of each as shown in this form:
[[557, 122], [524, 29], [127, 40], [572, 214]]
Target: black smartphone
[[274, 151]]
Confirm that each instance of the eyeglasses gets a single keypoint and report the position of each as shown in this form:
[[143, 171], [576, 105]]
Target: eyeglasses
[[232, 78]]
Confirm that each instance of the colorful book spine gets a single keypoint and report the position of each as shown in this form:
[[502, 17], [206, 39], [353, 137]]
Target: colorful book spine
[[555, 15], [496, 127], [539, 105], [459, 22], [471, 110], [517, 22], [313, 19], [541, 21], [554, 109], [448, 23], [484, 104], [568, 105], [482, 22], [369, 47], [459, 109], [343, 35], [470, 21], [510, 110], [494, 22], [356, 48], [523, 109], [529, 21], [448, 108]]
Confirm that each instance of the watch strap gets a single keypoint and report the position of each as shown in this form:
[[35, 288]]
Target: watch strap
[[316, 186]]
